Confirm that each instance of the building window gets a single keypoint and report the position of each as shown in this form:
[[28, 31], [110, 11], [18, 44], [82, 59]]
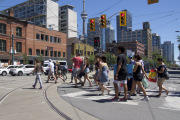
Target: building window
[[124, 33], [42, 52], [30, 51], [63, 25], [46, 53], [91, 53], [37, 52], [47, 38], [63, 16], [84, 53], [133, 32], [124, 36], [63, 12], [2, 28], [129, 44], [37, 36], [64, 54], [128, 36], [63, 20], [2, 45], [128, 33], [42, 37], [55, 39], [59, 54], [138, 35], [55, 53], [139, 32], [88, 53], [19, 47], [19, 31], [51, 38], [64, 29], [59, 40], [51, 54], [144, 31], [133, 35]]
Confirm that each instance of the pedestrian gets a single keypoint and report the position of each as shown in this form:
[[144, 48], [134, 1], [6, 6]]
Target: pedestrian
[[121, 74], [58, 71], [161, 77], [77, 63], [86, 71], [138, 76], [38, 69], [72, 73], [104, 75], [51, 71]]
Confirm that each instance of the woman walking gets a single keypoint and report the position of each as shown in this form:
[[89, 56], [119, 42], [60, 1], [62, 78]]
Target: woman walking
[[58, 71], [104, 75], [138, 76], [86, 70], [161, 77], [38, 69]]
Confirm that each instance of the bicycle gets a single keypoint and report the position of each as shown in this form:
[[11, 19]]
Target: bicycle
[[63, 75]]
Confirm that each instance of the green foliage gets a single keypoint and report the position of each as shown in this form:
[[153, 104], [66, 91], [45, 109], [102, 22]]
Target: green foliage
[[40, 58], [112, 57], [178, 37], [91, 59], [25, 58]]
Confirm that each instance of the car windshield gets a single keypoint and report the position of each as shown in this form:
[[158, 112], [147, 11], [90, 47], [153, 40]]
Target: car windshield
[[62, 63], [45, 65], [20, 66]]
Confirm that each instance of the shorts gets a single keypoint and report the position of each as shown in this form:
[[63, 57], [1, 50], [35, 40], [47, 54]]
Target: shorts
[[86, 70], [59, 72], [123, 81], [49, 73], [81, 74], [76, 72], [122, 76], [161, 79]]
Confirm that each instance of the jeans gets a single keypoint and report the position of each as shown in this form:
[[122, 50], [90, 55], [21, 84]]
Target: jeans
[[39, 78]]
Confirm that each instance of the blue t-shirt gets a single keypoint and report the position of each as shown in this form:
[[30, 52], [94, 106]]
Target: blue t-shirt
[[161, 75]]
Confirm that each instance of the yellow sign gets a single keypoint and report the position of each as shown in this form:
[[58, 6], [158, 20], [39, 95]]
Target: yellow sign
[[152, 1]]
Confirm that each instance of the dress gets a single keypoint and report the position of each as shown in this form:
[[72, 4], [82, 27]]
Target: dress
[[104, 75], [138, 76]]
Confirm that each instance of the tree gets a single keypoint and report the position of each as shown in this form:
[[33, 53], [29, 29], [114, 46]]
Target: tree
[[26, 61], [40, 58], [178, 37], [91, 59], [113, 59]]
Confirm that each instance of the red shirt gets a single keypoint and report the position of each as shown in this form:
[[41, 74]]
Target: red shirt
[[77, 62]]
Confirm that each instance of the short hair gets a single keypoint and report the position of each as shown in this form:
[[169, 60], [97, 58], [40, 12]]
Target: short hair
[[137, 56], [160, 59], [98, 56], [122, 48], [37, 61], [77, 54], [103, 58], [57, 63]]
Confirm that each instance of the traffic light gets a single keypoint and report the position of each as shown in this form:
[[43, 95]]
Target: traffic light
[[152, 1], [122, 18], [103, 21], [95, 42], [92, 24], [98, 41]]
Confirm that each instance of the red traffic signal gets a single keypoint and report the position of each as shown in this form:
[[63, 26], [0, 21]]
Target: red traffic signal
[[122, 14], [92, 21], [102, 17]]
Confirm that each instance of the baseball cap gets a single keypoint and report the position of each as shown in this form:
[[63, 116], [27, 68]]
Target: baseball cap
[[49, 60], [130, 56]]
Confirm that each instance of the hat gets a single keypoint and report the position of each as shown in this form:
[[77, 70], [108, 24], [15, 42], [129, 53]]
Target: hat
[[49, 60], [130, 56]]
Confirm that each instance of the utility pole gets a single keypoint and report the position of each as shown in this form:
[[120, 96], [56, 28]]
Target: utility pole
[[12, 48]]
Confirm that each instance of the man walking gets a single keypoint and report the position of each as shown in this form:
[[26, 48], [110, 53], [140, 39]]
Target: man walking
[[51, 71], [77, 63], [121, 74]]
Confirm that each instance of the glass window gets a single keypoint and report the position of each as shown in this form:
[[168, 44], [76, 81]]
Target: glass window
[[128, 33], [64, 29], [144, 31], [133, 32], [139, 32], [30, 51], [124, 36], [133, 35], [124, 39], [51, 38], [88, 53], [63, 16], [128, 36], [63, 12], [84, 53], [51, 53], [63, 20], [19, 47], [91, 53], [47, 38], [2, 45], [42, 52], [37, 36], [128, 39], [59, 54], [129, 44], [59, 40], [124, 33], [19, 31], [138, 35], [37, 52], [42, 37], [63, 54], [2, 28], [63, 25], [46, 53], [55, 39], [55, 53]]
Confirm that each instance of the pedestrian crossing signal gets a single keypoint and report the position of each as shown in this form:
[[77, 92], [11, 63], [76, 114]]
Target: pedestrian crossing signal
[[122, 18]]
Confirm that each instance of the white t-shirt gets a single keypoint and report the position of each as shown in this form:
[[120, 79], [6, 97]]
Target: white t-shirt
[[142, 63], [52, 66]]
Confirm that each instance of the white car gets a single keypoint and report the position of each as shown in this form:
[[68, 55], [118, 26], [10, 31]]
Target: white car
[[5, 70], [22, 69]]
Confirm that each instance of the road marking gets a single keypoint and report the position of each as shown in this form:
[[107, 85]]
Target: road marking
[[75, 94]]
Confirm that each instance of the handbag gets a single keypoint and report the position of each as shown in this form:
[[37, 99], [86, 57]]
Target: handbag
[[166, 74]]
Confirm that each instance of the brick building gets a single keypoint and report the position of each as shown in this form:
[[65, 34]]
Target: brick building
[[134, 46], [29, 39]]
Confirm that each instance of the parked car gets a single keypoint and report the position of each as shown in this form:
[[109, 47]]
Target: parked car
[[63, 69], [5, 70], [22, 69]]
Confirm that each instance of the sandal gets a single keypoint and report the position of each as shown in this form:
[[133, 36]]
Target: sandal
[[109, 91]]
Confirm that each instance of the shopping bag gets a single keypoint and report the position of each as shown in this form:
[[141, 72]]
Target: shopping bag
[[145, 83], [152, 75], [120, 87]]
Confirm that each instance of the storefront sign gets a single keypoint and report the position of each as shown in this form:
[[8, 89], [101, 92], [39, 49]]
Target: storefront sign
[[49, 48]]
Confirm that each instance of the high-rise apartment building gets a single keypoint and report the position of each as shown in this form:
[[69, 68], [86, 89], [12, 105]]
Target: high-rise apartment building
[[143, 36], [168, 51], [128, 27], [46, 13], [156, 40]]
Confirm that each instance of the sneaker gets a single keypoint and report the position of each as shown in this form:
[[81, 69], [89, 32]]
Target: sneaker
[[40, 88], [128, 96], [33, 86], [97, 87], [123, 100], [145, 98], [115, 99]]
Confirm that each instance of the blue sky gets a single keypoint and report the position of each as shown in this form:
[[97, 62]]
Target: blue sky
[[165, 23]]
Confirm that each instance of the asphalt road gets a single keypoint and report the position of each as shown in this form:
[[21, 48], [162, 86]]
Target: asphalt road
[[164, 108]]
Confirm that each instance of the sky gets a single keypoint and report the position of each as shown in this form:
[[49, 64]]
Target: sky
[[164, 17]]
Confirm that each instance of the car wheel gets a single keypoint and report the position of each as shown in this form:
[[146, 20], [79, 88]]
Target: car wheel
[[4, 73], [20, 73], [27, 74]]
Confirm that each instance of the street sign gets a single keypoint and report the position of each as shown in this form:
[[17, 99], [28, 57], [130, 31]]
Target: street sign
[[152, 1]]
